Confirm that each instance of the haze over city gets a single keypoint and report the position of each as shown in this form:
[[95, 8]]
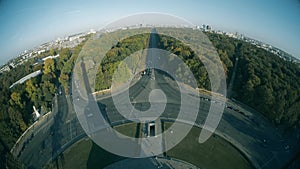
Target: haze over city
[[159, 84], [26, 24]]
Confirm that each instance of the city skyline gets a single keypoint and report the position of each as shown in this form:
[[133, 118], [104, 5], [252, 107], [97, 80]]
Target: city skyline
[[29, 24]]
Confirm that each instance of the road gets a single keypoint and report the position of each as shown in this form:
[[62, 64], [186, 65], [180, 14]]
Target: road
[[51, 134], [255, 136], [249, 131], [151, 163]]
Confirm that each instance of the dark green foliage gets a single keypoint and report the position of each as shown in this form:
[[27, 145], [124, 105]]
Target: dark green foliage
[[116, 54], [189, 57], [16, 104], [263, 80], [269, 84]]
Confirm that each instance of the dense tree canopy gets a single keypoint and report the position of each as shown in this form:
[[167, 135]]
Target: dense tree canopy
[[264, 81], [115, 55], [16, 104]]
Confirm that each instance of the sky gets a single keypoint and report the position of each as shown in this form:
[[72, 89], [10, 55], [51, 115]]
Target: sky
[[26, 24]]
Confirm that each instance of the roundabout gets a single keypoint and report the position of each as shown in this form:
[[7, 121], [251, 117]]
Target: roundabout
[[156, 117], [215, 153]]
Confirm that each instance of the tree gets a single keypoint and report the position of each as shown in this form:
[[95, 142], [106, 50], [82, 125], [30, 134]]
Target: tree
[[48, 66], [99, 82], [16, 118], [15, 99], [49, 77], [30, 88], [64, 80], [52, 52], [65, 54]]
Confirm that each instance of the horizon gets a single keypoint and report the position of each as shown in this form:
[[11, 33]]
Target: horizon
[[30, 24]]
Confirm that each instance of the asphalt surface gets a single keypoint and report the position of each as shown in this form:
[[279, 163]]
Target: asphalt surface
[[250, 132], [151, 163], [259, 140], [51, 135]]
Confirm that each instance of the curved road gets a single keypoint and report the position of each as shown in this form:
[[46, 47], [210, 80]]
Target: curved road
[[261, 142]]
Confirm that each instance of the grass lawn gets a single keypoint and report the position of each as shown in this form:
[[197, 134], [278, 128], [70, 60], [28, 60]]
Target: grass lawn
[[86, 154], [214, 153], [75, 156], [129, 129]]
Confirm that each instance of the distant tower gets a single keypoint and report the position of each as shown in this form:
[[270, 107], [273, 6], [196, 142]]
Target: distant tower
[[37, 114], [208, 27]]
